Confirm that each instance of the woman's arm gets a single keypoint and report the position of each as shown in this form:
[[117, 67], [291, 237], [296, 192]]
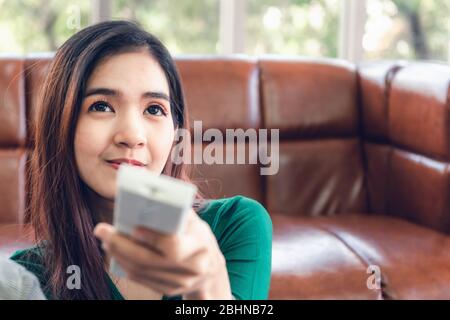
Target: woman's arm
[[190, 263], [227, 257]]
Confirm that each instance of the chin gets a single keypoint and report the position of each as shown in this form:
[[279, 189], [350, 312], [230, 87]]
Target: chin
[[111, 196]]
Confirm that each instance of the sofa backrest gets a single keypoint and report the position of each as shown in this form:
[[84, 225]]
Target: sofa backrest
[[344, 146], [406, 121], [319, 138], [12, 140], [314, 104], [320, 147], [221, 94]]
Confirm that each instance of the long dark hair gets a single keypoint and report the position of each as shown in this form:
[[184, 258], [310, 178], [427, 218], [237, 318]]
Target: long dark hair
[[57, 208]]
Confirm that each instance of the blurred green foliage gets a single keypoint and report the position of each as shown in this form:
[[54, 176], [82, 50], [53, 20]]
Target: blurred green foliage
[[39, 25], [420, 30], [303, 27], [306, 27], [184, 26]]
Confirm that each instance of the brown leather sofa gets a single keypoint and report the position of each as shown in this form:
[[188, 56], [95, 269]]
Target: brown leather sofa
[[364, 174]]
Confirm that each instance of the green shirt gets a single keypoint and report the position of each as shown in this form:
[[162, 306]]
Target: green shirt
[[243, 230]]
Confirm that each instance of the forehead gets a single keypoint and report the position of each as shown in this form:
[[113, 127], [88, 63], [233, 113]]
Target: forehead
[[130, 72]]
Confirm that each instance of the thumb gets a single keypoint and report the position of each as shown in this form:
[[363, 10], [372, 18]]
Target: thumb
[[104, 231]]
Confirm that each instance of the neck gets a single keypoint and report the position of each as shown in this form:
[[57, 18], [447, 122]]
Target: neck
[[101, 207]]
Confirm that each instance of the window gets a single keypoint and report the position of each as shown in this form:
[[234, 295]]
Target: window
[[351, 29], [185, 26], [305, 27], [407, 29], [39, 25]]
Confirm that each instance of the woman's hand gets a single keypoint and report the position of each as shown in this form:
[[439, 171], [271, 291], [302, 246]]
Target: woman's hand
[[189, 263]]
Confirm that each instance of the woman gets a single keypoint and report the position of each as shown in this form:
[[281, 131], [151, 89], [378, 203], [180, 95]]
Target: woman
[[113, 92]]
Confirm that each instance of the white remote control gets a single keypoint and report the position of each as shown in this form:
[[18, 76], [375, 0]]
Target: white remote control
[[144, 198]]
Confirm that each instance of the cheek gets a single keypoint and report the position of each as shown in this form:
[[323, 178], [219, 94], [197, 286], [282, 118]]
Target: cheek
[[88, 142], [88, 145], [160, 146]]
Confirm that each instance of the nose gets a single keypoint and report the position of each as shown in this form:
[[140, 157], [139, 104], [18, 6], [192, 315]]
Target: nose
[[130, 133]]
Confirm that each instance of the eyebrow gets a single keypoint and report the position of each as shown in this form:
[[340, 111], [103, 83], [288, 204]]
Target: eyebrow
[[112, 92]]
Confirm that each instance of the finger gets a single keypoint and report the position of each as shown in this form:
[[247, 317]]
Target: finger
[[143, 257], [128, 249], [156, 240], [176, 247], [104, 232], [166, 282], [150, 235], [169, 276], [157, 263]]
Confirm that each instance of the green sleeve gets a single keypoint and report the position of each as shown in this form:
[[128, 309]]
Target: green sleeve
[[243, 229]]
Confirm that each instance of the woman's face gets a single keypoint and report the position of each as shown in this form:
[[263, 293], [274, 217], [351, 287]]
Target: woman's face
[[125, 114]]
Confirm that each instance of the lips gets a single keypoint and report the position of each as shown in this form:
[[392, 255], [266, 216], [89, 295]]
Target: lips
[[115, 163]]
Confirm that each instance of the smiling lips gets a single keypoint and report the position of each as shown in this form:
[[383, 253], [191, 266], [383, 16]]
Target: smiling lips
[[115, 163]]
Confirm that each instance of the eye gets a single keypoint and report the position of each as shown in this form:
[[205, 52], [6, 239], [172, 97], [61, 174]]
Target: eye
[[99, 106], [156, 110]]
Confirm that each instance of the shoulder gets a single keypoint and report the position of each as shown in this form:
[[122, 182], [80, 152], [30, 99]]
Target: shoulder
[[29, 255], [237, 207], [237, 215]]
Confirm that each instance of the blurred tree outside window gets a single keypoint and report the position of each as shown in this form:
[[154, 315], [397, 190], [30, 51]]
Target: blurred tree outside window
[[407, 29], [394, 29], [28, 26], [184, 26], [303, 27]]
